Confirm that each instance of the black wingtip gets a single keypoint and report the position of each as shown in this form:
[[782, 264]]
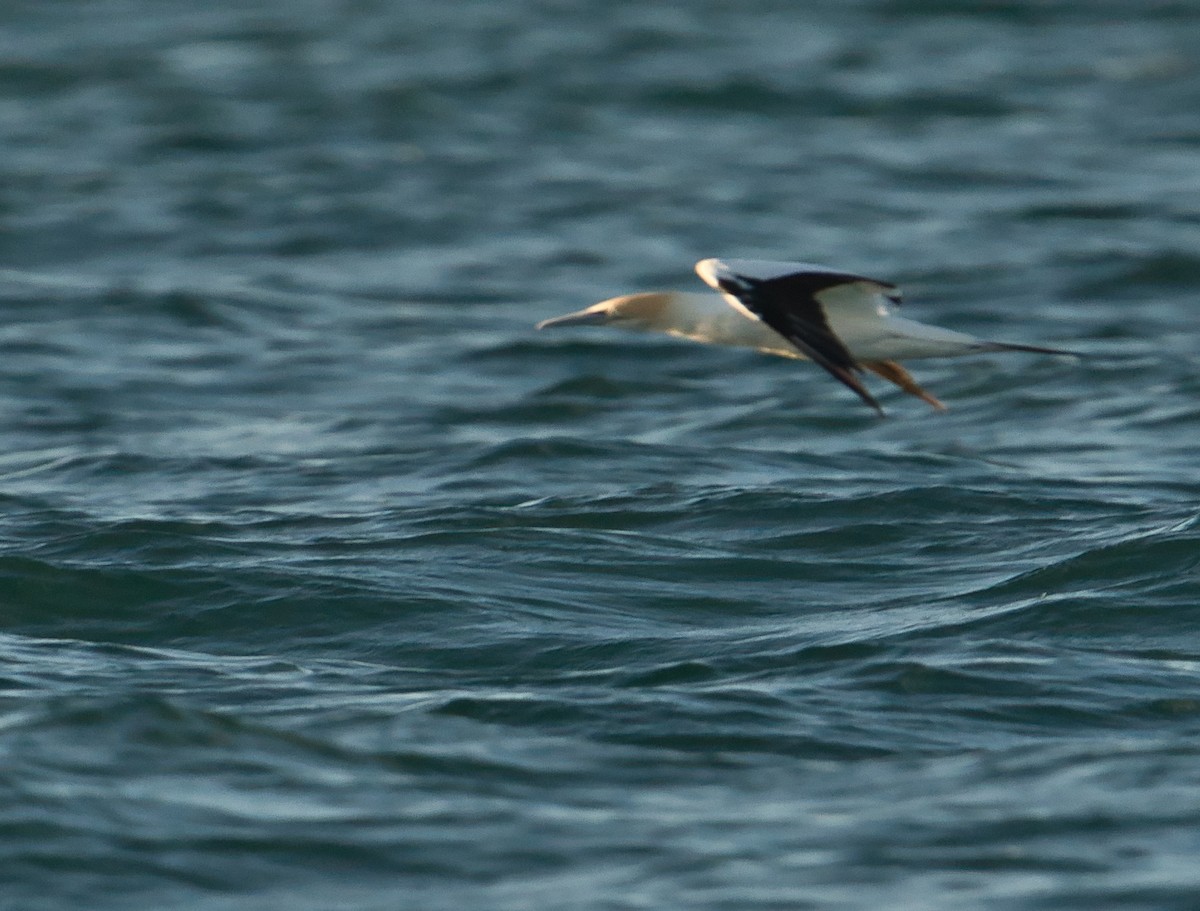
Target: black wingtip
[[848, 379]]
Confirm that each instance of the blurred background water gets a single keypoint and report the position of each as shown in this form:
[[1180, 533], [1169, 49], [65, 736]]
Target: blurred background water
[[326, 582]]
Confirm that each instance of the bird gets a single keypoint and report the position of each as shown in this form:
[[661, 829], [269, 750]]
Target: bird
[[844, 322]]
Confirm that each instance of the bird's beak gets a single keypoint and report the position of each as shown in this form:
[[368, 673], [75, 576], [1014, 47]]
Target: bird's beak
[[589, 317]]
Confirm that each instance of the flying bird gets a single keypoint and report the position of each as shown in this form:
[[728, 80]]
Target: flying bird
[[845, 323]]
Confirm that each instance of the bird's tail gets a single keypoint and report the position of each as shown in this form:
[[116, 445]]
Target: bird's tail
[[1032, 349]]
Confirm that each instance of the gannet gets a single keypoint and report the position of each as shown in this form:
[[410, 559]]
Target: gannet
[[842, 321]]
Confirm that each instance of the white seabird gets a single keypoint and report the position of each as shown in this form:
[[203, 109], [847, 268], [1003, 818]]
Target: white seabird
[[844, 322]]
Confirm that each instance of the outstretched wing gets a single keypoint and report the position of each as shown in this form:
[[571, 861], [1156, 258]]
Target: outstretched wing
[[786, 297]]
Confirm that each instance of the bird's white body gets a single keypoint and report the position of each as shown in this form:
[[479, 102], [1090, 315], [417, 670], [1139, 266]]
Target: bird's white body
[[707, 318], [845, 322]]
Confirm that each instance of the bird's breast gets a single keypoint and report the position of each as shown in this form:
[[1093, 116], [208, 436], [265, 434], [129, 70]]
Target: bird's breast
[[722, 325]]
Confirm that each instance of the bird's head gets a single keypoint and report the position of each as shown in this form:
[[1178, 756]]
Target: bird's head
[[630, 311]]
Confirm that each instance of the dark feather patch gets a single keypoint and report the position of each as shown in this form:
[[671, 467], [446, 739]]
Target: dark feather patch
[[789, 306]]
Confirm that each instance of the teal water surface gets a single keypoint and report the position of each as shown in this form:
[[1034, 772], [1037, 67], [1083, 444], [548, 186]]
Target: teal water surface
[[327, 582]]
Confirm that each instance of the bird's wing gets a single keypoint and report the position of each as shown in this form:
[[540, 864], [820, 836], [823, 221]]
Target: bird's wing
[[786, 297]]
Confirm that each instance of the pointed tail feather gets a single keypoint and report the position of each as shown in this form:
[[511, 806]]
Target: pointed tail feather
[[1032, 349]]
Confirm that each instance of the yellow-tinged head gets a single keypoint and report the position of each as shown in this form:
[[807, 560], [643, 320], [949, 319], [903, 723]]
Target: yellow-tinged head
[[646, 310]]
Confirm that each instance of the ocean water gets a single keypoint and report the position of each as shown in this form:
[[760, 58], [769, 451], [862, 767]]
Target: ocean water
[[327, 582]]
